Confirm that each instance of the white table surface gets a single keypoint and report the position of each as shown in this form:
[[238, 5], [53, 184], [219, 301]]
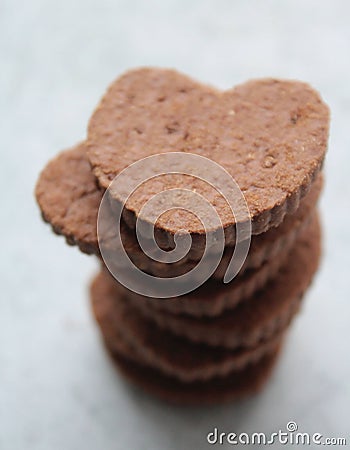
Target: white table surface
[[58, 390]]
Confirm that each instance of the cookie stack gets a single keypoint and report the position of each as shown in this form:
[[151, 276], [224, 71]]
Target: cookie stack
[[220, 341]]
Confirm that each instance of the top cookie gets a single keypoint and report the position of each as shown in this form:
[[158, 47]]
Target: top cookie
[[270, 135]]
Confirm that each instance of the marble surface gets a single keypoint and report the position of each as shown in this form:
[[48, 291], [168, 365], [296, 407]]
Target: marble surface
[[57, 387]]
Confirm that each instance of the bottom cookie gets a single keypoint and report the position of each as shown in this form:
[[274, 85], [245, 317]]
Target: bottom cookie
[[129, 333], [234, 386]]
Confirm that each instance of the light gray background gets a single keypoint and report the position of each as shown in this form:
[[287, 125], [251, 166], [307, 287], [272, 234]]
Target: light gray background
[[58, 388]]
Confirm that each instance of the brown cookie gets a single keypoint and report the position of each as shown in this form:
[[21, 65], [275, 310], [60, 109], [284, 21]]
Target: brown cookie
[[257, 318], [162, 350], [213, 296], [234, 386], [270, 135], [69, 199]]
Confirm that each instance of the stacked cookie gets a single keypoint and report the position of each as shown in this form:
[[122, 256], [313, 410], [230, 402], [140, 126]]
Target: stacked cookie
[[220, 341]]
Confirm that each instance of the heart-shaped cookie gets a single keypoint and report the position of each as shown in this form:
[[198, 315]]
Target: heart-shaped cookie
[[269, 135]]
